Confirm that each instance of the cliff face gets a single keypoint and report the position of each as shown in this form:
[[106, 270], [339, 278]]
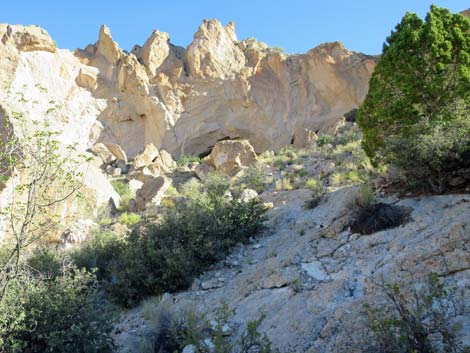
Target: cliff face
[[184, 99]]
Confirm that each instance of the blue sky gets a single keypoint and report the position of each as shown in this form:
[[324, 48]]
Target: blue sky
[[295, 25]]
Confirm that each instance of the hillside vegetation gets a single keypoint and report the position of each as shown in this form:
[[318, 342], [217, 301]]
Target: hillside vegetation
[[353, 239]]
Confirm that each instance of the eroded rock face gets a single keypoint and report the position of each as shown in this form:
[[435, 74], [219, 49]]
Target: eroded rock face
[[229, 157], [205, 62], [29, 38], [181, 100], [184, 100]]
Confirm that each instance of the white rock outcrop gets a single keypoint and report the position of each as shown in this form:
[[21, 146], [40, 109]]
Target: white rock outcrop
[[231, 156], [184, 100]]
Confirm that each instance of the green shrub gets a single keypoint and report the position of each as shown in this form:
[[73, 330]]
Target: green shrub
[[129, 218], [191, 236], [415, 115], [46, 262], [284, 184], [167, 256], [362, 197], [172, 331], [191, 189], [413, 315], [57, 315], [254, 179], [102, 252], [187, 159], [338, 178], [122, 188], [315, 185], [216, 184], [252, 340]]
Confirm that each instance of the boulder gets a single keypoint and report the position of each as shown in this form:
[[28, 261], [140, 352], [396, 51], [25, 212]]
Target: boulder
[[144, 159], [117, 151], [135, 185], [88, 78], [113, 171], [77, 233], [203, 169], [165, 162], [143, 174], [101, 151], [152, 191], [231, 156], [191, 348]]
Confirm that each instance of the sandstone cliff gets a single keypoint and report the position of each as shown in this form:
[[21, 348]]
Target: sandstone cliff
[[183, 99]]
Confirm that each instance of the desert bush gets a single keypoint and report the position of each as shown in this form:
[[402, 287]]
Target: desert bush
[[166, 256], [314, 184], [284, 184], [252, 340], [122, 188], [46, 261], [312, 203], [255, 179], [337, 178], [192, 236], [187, 159], [415, 115], [377, 217], [102, 252], [216, 185], [191, 189], [416, 318], [361, 197], [62, 314], [129, 218], [172, 331]]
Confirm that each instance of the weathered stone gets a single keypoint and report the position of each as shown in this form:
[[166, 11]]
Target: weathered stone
[[280, 279], [88, 78], [152, 191], [145, 173], [147, 157], [135, 185], [231, 156], [203, 169], [165, 162], [456, 180], [113, 171], [103, 153], [213, 283], [203, 61], [27, 38], [107, 47], [123, 166], [155, 51], [117, 151], [77, 232], [191, 348], [315, 270]]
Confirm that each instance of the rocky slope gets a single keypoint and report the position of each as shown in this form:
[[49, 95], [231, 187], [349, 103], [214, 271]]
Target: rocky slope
[[184, 99], [309, 274]]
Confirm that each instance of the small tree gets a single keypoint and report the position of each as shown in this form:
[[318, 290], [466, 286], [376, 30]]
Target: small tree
[[415, 115], [416, 318], [40, 173]]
